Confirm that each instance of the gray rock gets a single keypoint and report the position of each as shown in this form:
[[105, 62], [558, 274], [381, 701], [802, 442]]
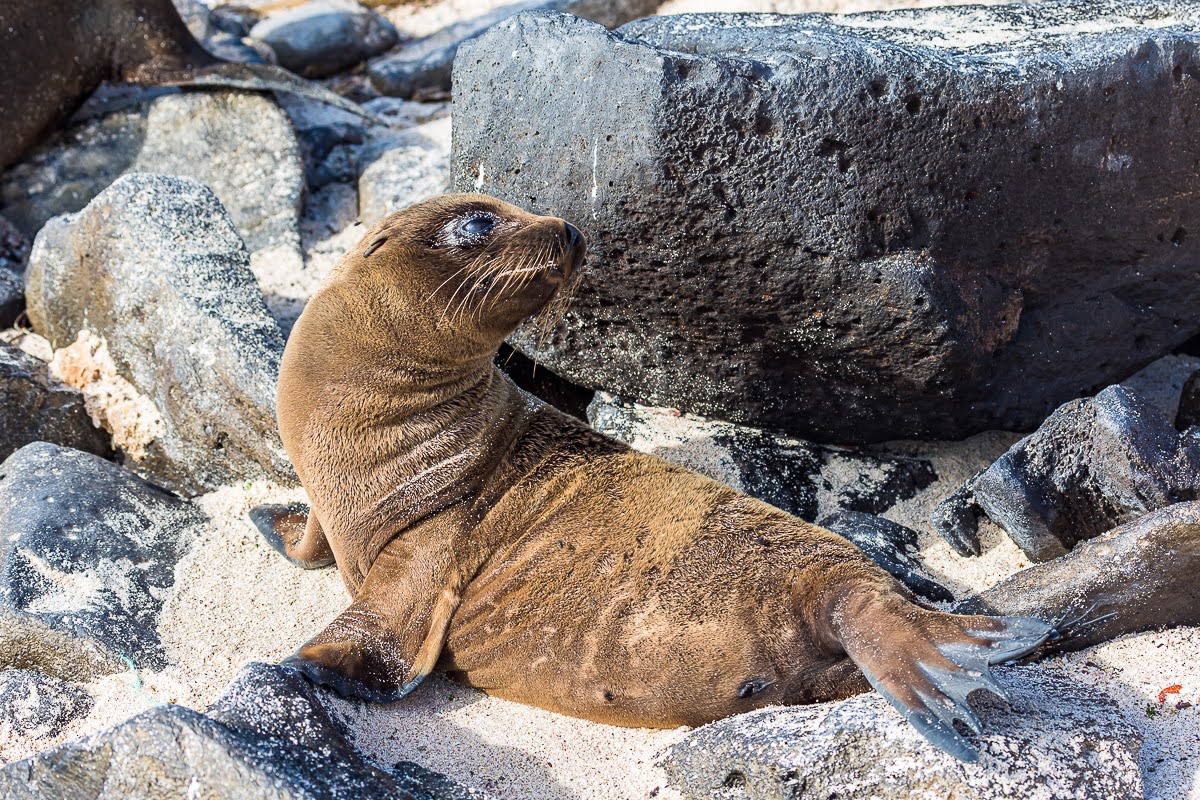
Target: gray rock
[[221, 31], [1188, 413], [321, 37], [239, 144], [891, 546], [1094, 464], [426, 64], [798, 477], [1059, 739], [267, 738], [1137, 577], [37, 706], [89, 549], [416, 167], [855, 228], [34, 407], [155, 267]]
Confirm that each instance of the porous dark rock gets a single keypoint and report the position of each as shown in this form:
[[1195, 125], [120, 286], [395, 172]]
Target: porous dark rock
[[89, 551], [322, 37], [891, 546], [35, 407], [425, 64], [1139, 576], [14, 251], [35, 706], [1092, 465], [267, 738], [1058, 739], [155, 268], [798, 477], [239, 144], [919, 223], [1189, 404]]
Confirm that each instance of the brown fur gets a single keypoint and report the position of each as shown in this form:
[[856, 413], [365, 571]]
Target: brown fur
[[522, 552]]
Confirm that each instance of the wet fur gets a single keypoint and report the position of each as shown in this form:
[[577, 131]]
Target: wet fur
[[524, 553]]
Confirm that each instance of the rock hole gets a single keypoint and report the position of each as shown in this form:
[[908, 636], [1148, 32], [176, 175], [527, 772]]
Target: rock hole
[[1177, 73], [912, 104], [734, 780], [877, 88], [763, 125], [1179, 237]]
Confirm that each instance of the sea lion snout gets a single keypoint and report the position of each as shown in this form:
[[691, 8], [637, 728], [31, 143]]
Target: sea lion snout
[[576, 250]]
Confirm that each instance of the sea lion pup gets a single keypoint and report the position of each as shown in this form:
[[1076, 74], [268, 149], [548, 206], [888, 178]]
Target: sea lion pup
[[481, 531], [54, 54]]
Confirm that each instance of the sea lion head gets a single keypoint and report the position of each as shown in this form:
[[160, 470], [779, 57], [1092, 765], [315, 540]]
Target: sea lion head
[[463, 270]]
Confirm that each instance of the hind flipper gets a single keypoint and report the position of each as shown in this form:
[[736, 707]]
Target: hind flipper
[[926, 663], [293, 532]]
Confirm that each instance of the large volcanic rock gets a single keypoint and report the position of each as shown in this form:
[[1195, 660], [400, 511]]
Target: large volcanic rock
[[915, 223]]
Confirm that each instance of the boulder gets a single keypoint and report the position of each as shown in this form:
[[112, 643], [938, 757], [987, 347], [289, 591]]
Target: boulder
[[35, 407], [37, 706], [89, 551], [322, 37], [1094, 464], [798, 477], [891, 546], [152, 282], [239, 144], [919, 223], [425, 64], [415, 166], [1058, 739], [267, 738]]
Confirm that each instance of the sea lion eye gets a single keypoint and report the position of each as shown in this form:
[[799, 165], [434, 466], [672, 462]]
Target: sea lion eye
[[477, 225]]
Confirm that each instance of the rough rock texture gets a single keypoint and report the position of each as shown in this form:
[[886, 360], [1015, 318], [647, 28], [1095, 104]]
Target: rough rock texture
[[1139, 576], [1189, 404], [891, 546], [415, 167], [426, 64], [322, 37], [800, 478], [1059, 739], [36, 706], [155, 267], [855, 228], [89, 549], [14, 250], [34, 407], [267, 738], [239, 144], [1094, 464]]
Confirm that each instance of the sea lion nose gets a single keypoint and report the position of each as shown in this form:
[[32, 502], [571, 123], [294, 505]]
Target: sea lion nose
[[574, 237]]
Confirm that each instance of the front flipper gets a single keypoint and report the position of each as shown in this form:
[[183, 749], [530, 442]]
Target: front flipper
[[293, 532], [926, 663], [388, 640]]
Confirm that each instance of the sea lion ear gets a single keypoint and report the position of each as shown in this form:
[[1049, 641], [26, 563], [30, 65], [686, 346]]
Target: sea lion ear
[[377, 243]]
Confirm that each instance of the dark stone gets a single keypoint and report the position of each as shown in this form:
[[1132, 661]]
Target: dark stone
[[892, 546], [89, 549], [920, 223], [34, 407], [37, 706], [787, 473], [1093, 464], [14, 252], [426, 64], [267, 738], [155, 267], [1058, 739], [319, 38], [541, 382], [1189, 404]]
